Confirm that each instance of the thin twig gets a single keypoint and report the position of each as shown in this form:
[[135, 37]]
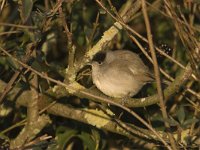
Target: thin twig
[[2, 5], [95, 25], [187, 37], [9, 86], [157, 75], [70, 47], [170, 17], [9, 32], [32, 116], [17, 25]]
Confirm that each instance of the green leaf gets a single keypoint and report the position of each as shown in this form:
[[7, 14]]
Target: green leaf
[[63, 135], [12, 63], [96, 138], [26, 9], [172, 122], [88, 142], [190, 121], [181, 114]]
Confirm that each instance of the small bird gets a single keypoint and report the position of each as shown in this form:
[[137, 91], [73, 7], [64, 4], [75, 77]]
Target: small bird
[[121, 74]]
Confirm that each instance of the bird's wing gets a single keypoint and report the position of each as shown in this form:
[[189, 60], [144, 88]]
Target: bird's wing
[[139, 71]]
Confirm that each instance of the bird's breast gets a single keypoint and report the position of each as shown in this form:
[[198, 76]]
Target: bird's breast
[[116, 87]]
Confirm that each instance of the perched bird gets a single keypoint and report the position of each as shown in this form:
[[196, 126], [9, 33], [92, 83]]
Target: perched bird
[[121, 74]]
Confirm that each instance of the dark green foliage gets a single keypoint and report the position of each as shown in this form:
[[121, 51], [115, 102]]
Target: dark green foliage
[[42, 32]]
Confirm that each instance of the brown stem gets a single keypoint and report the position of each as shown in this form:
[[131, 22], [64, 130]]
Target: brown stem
[[157, 76]]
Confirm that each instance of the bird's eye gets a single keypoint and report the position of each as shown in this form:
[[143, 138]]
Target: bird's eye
[[100, 62]]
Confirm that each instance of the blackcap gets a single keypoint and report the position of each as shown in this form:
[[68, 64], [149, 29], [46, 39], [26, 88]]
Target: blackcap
[[121, 74]]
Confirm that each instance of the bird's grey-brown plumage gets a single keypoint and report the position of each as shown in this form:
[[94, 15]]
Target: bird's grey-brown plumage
[[121, 74]]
